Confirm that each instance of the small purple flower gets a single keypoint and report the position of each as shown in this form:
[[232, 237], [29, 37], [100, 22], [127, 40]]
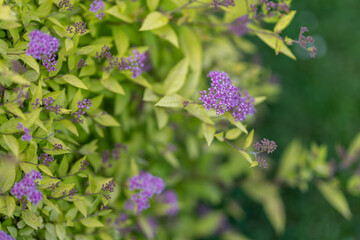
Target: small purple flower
[[105, 156], [65, 4], [58, 147], [96, 6], [116, 151], [239, 26], [265, 146], [79, 27], [83, 165], [108, 187], [224, 96], [262, 162], [82, 63], [148, 185], [136, 63], [84, 104], [43, 46], [72, 193], [27, 188], [225, 3], [4, 236], [305, 41], [26, 136], [47, 159], [170, 198]]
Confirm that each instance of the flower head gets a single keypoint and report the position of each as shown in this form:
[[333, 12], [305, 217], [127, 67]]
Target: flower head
[[265, 146], [4, 236], [96, 6], [225, 3], [239, 26], [305, 41], [148, 185], [26, 136], [108, 187], [47, 159], [27, 187], [79, 27], [170, 198], [224, 96]]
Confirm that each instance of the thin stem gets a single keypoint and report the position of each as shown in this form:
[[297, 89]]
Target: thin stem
[[37, 164], [182, 7], [239, 149]]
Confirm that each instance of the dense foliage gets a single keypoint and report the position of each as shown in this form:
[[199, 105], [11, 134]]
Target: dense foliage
[[108, 120]]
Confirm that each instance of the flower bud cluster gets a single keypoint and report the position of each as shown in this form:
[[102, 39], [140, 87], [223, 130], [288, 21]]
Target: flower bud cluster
[[77, 27], [26, 136], [96, 6], [84, 104], [47, 159], [170, 198], [27, 188]]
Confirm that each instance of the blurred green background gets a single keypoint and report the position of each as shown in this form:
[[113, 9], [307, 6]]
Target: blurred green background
[[319, 102]]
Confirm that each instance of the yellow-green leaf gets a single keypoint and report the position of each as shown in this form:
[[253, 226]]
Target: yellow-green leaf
[[115, 11], [107, 121], [238, 124], [46, 170], [121, 40], [12, 143], [69, 44], [152, 4], [161, 117], [274, 209], [176, 77], [10, 206], [31, 219], [209, 133], [154, 20], [91, 222], [73, 80], [81, 206], [30, 61], [249, 139], [60, 231], [70, 126], [7, 175], [113, 85], [284, 21], [167, 33], [233, 133], [200, 112], [171, 101]]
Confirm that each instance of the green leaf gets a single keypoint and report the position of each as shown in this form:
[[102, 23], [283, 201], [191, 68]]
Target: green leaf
[[167, 33], [12, 143], [93, 187], [32, 117], [154, 20], [238, 124], [249, 139], [171, 101], [233, 133], [259, 100], [91, 222], [7, 175], [121, 39], [145, 226], [209, 133], [59, 190], [51, 204], [31, 219], [107, 120], [113, 85], [284, 22], [46, 170], [14, 109], [6, 13], [333, 194], [274, 209], [81, 206], [10, 206], [70, 126], [161, 117], [85, 50], [60, 231], [30, 61], [69, 44], [176, 77], [152, 4], [73, 80], [247, 157], [115, 11]]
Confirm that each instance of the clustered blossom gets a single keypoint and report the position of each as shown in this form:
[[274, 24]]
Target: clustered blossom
[[54, 186], [225, 97], [77, 27], [148, 185], [18, 67], [136, 63], [84, 104], [225, 3], [170, 198], [26, 136], [262, 162], [27, 188], [4, 236], [304, 41], [82, 63], [265, 146], [47, 159], [83, 165], [65, 4], [116, 151], [71, 194], [272, 8], [58, 147], [20, 96], [47, 104], [239, 26], [43, 46], [108, 187], [96, 6]]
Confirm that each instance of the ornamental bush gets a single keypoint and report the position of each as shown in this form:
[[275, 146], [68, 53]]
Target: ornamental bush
[[111, 129]]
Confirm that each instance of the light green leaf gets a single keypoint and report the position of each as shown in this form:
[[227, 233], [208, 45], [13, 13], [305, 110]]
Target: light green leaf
[[7, 175], [200, 112], [85, 50], [60, 231], [31, 219], [14, 109], [92, 183], [172, 159], [6, 13], [121, 40], [12, 143], [46, 170], [171, 101], [59, 190], [30, 61], [259, 100], [69, 44], [209, 133], [247, 157], [32, 117], [81, 206], [161, 117], [238, 124], [274, 209], [107, 120], [249, 139], [154, 20], [73, 80], [91, 222], [10, 206], [70, 126], [150, 96], [176, 77], [52, 205], [284, 21], [115, 11], [152, 4], [113, 85], [233, 133], [167, 33], [333, 194]]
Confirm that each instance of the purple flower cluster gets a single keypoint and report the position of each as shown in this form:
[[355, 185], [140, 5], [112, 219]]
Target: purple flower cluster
[[224, 96], [265, 146], [83, 165], [47, 159], [271, 8], [136, 63], [21, 96], [27, 188], [65, 4], [225, 3], [71, 194], [116, 151], [43, 46], [304, 41], [77, 27], [86, 103], [58, 147], [96, 6], [170, 198], [26, 136], [108, 187], [148, 186], [47, 104], [262, 162], [4, 236], [239, 26], [82, 63]]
